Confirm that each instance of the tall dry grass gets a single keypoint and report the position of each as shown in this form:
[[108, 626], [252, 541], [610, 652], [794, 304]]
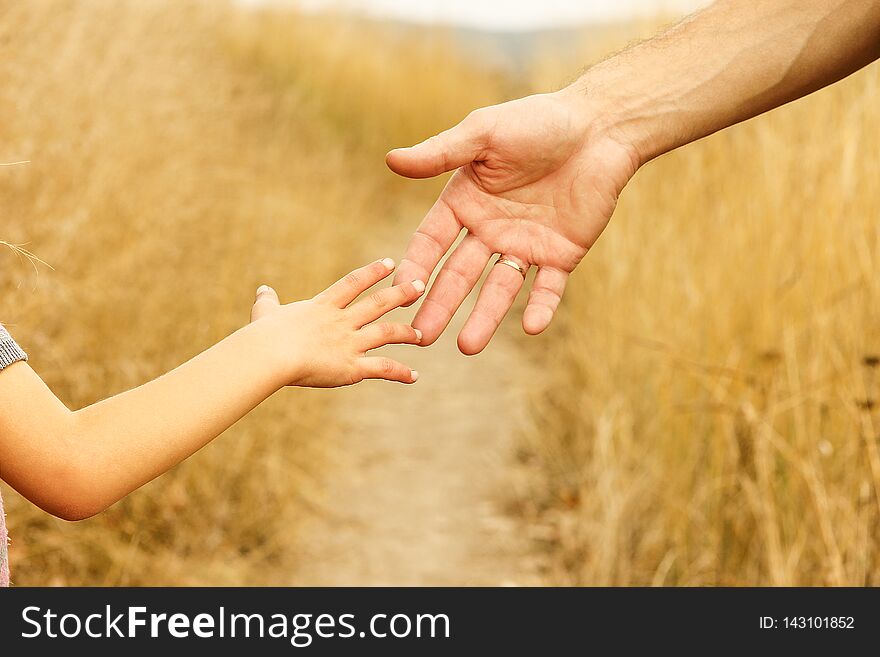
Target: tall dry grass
[[181, 154], [713, 412], [709, 412]]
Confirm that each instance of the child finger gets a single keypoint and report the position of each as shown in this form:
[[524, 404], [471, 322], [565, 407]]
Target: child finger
[[378, 335], [352, 285], [385, 300], [379, 367]]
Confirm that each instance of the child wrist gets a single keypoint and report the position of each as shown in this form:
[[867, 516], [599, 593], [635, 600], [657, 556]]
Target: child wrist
[[268, 343]]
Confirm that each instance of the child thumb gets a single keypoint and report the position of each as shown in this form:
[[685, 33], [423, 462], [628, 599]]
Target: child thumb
[[266, 299], [266, 294]]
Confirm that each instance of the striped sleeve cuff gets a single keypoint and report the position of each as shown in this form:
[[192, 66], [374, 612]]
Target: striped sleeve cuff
[[10, 353]]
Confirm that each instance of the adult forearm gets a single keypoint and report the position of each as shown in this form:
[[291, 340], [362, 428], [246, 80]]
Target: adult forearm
[[727, 63], [79, 463]]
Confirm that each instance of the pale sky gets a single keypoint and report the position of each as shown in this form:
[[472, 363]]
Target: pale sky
[[499, 15]]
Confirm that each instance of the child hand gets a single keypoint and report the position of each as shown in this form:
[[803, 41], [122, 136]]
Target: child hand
[[325, 339]]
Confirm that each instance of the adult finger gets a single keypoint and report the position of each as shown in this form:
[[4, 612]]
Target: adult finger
[[454, 282], [380, 367], [451, 149], [496, 297], [352, 285], [378, 335], [544, 299], [433, 238], [380, 302]]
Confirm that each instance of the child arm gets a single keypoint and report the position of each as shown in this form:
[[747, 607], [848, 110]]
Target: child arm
[[74, 464]]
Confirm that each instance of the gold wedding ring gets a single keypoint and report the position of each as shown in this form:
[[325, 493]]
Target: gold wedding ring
[[504, 260]]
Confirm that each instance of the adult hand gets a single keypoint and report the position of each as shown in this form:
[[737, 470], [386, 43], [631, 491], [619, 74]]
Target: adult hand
[[536, 182], [538, 178]]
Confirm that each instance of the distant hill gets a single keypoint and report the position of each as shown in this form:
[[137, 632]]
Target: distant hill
[[515, 49], [510, 51]]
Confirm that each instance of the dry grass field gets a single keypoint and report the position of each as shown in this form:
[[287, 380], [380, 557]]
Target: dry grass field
[[705, 411], [182, 154], [713, 412]]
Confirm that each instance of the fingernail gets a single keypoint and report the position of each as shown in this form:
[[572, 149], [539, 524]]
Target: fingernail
[[388, 262], [419, 285], [262, 289], [415, 376], [418, 334]]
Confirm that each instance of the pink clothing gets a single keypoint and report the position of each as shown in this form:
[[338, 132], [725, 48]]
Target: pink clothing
[[4, 561]]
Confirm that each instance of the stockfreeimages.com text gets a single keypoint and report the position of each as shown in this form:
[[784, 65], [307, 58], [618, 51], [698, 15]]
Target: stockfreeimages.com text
[[300, 629]]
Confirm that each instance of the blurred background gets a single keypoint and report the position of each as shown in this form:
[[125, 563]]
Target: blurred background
[[703, 412]]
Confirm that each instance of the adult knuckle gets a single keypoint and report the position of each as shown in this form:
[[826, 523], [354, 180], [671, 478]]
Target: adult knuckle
[[387, 366], [474, 116], [352, 279], [377, 298], [545, 296]]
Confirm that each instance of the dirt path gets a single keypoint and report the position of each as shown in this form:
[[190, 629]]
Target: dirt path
[[417, 477]]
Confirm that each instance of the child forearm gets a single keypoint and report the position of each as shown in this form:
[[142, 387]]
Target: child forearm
[[141, 433], [75, 464], [79, 463]]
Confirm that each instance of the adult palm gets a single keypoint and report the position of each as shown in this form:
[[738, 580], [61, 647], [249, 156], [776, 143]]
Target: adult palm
[[534, 182]]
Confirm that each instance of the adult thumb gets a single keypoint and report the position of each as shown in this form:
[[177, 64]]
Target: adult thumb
[[451, 149]]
